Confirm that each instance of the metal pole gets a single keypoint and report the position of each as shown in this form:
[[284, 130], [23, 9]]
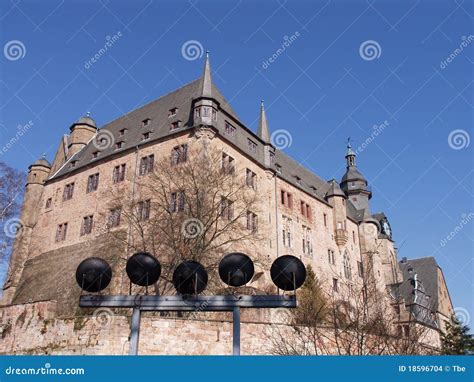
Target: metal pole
[[236, 330], [134, 331]]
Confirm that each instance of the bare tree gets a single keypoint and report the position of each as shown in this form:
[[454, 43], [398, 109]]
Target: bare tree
[[195, 205], [11, 192]]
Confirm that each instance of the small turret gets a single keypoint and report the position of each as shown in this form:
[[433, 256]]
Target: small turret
[[354, 184], [337, 199], [82, 132], [38, 172], [264, 134]]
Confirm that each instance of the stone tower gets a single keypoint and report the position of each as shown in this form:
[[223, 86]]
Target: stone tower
[[38, 172]]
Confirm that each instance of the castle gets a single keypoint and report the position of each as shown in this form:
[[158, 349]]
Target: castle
[[328, 224]]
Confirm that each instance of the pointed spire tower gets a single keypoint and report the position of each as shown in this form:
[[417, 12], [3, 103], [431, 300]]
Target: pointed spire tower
[[354, 184], [205, 106], [263, 131]]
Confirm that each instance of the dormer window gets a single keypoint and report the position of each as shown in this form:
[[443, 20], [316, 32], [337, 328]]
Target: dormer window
[[278, 168], [252, 146], [172, 112], [119, 145], [298, 180], [229, 129], [95, 155], [145, 136], [197, 112], [122, 132], [73, 163], [313, 189], [146, 122], [175, 125]]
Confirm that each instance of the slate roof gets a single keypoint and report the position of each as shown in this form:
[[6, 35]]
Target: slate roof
[[427, 270], [159, 127]]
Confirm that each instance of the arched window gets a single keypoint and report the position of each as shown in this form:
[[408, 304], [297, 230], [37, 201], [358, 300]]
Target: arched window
[[347, 266]]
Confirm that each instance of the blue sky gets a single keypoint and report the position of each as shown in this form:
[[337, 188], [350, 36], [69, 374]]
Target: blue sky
[[323, 87]]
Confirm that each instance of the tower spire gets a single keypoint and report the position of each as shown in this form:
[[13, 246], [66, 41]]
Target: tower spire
[[263, 131], [350, 156], [206, 83]]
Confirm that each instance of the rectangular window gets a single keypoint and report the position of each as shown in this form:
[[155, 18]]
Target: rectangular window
[[227, 209], [325, 220], [228, 164], [86, 227], [144, 210], [360, 269], [229, 129], [172, 112], [307, 242], [49, 201], [177, 202], [146, 136], [146, 122], [175, 125], [146, 164], [251, 179], [92, 182], [287, 199], [272, 157], [251, 221], [252, 146], [287, 228], [114, 217], [61, 232], [119, 173], [179, 154], [331, 258], [353, 237], [335, 285], [197, 112], [68, 191]]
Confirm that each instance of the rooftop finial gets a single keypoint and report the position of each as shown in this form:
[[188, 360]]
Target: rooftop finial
[[350, 156], [206, 87], [263, 131], [349, 142]]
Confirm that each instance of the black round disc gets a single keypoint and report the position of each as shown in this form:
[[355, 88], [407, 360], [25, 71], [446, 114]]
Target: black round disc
[[236, 269], [143, 269], [190, 277], [93, 274], [288, 272]]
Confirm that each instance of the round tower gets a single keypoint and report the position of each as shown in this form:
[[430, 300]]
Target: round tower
[[38, 172], [337, 199], [354, 184], [82, 132]]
